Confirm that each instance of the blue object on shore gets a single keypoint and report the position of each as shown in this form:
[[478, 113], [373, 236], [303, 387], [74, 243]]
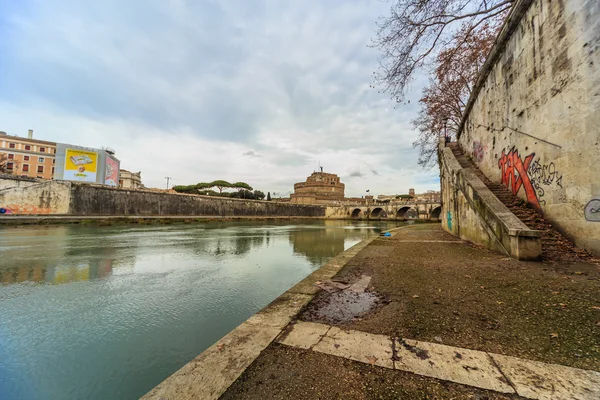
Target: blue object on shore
[[2, 210], [386, 234]]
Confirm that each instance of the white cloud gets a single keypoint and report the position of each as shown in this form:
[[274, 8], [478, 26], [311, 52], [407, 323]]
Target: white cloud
[[245, 91]]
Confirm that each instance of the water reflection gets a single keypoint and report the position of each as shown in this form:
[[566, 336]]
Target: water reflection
[[319, 245], [64, 254], [45, 255]]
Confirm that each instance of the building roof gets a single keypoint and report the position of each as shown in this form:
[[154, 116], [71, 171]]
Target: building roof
[[24, 139]]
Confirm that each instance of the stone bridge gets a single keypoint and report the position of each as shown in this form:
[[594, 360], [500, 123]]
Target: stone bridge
[[401, 211]]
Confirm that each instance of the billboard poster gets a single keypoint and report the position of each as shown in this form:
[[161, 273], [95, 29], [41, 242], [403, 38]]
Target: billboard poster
[[80, 165], [111, 177]]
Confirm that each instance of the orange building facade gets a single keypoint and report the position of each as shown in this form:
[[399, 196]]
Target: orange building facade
[[28, 156]]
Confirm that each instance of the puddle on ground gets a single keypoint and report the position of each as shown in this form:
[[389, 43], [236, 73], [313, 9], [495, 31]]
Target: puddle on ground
[[340, 307]]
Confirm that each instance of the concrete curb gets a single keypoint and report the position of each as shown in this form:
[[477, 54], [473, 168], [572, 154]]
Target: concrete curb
[[211, 373]]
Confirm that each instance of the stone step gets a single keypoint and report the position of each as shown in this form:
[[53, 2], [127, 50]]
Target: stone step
[[554, 245]]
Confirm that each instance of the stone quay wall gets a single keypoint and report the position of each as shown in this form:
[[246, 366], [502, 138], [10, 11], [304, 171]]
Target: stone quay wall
[[533, 120], [78, 199]]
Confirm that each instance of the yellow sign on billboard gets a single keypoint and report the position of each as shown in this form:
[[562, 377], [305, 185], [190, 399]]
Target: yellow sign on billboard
[[80, 165]]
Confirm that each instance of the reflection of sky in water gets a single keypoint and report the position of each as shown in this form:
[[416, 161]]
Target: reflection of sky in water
[[108, 312]]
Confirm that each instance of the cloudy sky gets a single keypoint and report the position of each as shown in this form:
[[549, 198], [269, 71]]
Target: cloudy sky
[[198, 90]]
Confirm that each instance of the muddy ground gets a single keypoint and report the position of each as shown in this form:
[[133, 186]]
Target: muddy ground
[[282, 372], [435, 288]]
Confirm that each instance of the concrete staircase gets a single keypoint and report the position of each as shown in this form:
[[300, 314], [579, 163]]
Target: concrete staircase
[[555, 247]]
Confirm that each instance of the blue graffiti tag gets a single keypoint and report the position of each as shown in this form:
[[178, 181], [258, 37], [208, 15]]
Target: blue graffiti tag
[[449, 220]]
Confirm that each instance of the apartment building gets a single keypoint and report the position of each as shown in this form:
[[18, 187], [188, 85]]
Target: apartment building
[[28, 156]]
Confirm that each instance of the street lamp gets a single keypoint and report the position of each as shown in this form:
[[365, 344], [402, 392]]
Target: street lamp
[[168, 178], [446, 138]]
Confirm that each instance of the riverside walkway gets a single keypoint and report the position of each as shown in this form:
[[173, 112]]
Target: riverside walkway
[[420, 314]]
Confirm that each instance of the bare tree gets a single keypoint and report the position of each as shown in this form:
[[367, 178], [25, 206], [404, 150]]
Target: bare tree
[[444, 100], [417, 31], [3, 164]]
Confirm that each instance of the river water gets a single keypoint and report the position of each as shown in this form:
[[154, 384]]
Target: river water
[[91, 312]]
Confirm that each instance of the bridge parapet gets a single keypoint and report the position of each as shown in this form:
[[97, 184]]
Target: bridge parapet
[[426, 210]]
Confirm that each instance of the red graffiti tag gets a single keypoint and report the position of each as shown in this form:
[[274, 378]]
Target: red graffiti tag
[[514, 174]]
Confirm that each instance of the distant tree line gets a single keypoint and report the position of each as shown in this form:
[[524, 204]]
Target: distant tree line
[[243, 190]]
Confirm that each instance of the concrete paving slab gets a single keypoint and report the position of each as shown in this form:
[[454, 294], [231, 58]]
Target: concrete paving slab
[[536, 380], [357, 346], [213, 371], [303, 334], [468, 367]]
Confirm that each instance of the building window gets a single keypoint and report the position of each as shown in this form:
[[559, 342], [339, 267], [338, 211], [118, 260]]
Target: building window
[[11, 156], [11, 145], [25, 158], [54, 161], [25, 167], [27, 147], [9, 165], [52, 170], [42, 149], [40, 169], [54, 151], [41, 159]]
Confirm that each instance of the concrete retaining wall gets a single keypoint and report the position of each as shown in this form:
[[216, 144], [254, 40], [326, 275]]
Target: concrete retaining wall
[[69, 198], [533, 122], [472, 212], [100, 200], [40, 198]]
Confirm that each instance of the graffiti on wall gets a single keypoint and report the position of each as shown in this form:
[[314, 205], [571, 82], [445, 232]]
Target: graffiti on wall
[[592, 210], [27, 209], [449, 220], [514, 174], [542, 175], [531, 175], [478, 151]]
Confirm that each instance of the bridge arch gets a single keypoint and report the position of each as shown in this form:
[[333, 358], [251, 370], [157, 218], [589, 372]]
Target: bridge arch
[[407, 213], [357, 213], [378, 212], [435, 213]]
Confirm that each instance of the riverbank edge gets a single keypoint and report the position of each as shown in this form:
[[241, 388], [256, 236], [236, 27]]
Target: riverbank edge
[[163, 219], [211, 373]]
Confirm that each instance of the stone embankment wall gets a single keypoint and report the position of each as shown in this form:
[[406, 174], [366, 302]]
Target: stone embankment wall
[[23, 196], [533, 120], [69, 198]]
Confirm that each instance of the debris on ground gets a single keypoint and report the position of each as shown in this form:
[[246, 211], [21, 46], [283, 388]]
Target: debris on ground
[[342, 300]]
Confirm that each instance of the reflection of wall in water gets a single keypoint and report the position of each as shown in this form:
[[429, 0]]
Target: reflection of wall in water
[[41, 272], [237, 244], [318, 245], [48, 265]]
